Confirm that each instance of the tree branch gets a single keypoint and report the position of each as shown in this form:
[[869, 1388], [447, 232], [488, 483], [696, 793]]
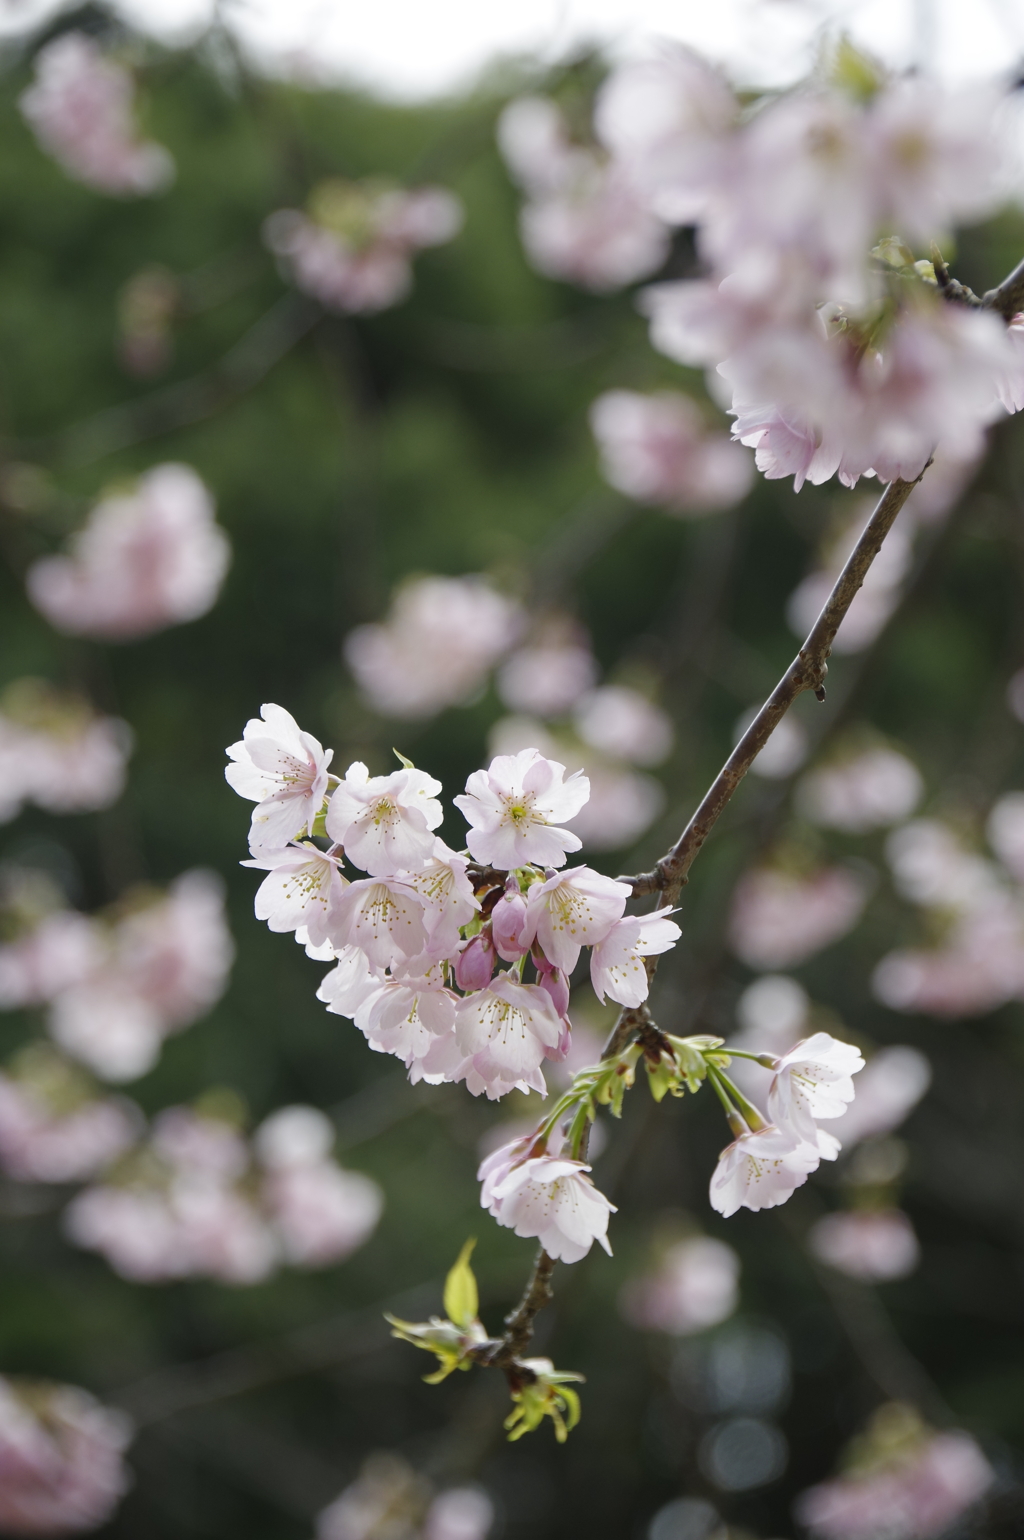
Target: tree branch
[[1008, 299]]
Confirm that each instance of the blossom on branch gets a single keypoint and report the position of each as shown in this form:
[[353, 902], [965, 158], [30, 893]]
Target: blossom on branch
[[658, 449], [385, 822], [505, 1031], [61, 1459], [553, 1199], [813, 1080], [514, 808], [302, 892], [572, 910], [284, 771], [616, 963], [760, 1169]]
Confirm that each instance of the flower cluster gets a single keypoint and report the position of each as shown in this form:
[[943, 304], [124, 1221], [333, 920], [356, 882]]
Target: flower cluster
[[353, 247], [80, 110], [116, 986], [61, 1459], [659, 450], [57, 752], [146, 559], [416, 942], [836, 349], [585, 220], [196, 1201], [388, 1498], [782, 916], [974, 903], [54, 1126], [904, 1481], [695, 1285]]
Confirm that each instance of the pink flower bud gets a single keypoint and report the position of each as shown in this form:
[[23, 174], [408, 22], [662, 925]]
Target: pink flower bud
[[507, 923], [475, 963], [560, 1051], [556, 984]]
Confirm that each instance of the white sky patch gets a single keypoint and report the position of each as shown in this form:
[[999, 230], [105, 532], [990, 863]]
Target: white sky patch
[[408, 50]]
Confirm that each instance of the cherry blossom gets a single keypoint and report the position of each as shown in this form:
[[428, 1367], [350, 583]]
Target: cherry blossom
[[302, 891], [508, 920], [779, 918], [659, 450], [57, 953], [53, 1127], [979, 966], [352, 251], [413, 1017], [448, 899], [504, 1030], [618, 720], [870, 790], [284, 771], [57, 752], [695, 1285], [553, 1199], [475, 964], [145, 560], [461, 1513], [80, 109], [760, 1170], [813, 1080], [514, 808], [547, 677], [874, 1245], [572, 910], [62, 1469], [623, 803], [917, 1486], [320, 1212], [351, 981], [385, 821], [439, 642], [616, 962], [931, 866], [584, 221], [382, 916], [1005, 830]]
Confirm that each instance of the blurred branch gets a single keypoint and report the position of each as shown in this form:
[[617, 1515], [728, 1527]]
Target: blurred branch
[[251, 359]]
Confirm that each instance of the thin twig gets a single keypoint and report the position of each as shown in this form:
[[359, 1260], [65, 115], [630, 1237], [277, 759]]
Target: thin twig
[[1008, 299]]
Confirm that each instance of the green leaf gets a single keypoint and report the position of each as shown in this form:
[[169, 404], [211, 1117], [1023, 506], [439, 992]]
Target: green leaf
[[461, 1299], [406, 763]]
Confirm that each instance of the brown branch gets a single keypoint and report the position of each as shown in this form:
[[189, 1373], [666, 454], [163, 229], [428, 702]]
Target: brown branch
[[519, 1324], [1008, 299]]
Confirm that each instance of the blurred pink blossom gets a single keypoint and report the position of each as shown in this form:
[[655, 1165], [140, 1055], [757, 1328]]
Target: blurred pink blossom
[[889, 1087], [57, 752], [436, 647], [780, 919], [785, 751], [873, 1245], [353, 249], [62, 1470], [145, 560], [873, 603], [1005, 829], [320, 1212], [913, 1491], [547, 678], [584, 220], [980, 965], [870, 790], [59, 952], [695, 1285], [165, 963], [621, 722], [659, 449], [461, 1513], [932, 866], [623, 805], [80, 109], [53, 1128]]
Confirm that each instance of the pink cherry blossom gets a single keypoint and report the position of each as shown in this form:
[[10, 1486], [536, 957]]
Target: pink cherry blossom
[[384, 917], [669, 120], [979, 966], [57, 752], [385, 822], [448, 899], [320, 1212], [413, 1017], [584, 221], [623, 804], [80, 109], [284, 771], [547, 677], [351, 981], [508, 918], [870, 790], [1005, 830], [616, 962], [496, 1166], [504, 1031], [353, 250], [514, 808], [461, 1513], [572, 910], [554, 1200], [761, 1170], [555, 984], [916, 1493], [874, 1245], [439, 642], [888, 1088], [619, 721], [813, 1080], [145, 560], [659, 450], [62, 1469], [695, 1285], [475, 964], [57, 953], [780, 919], [302, 891], [932, 866], [53, 1128]]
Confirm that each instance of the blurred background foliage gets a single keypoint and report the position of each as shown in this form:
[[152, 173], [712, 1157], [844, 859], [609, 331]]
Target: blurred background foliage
[[449, 435]]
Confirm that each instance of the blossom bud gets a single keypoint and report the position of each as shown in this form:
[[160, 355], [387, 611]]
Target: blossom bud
[[507, 922], [555, 983], [475, 963], [560, 1052]]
